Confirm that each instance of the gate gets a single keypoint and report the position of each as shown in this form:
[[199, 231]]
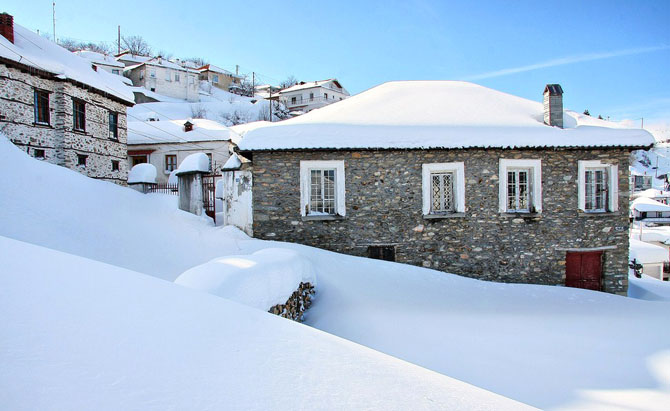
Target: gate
[[208, 195], [584, 270]]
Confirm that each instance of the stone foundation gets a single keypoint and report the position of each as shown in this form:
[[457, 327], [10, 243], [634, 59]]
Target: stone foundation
[[296, 305]]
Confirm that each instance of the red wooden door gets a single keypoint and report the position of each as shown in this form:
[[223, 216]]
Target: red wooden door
[[584, 270]]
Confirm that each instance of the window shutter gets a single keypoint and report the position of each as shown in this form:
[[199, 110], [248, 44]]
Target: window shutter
[[613, 188]]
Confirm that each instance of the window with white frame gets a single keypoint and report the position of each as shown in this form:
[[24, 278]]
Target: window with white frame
[[443, 187], [598, 190], [167, 75], [215, 78], [322, 188], [520, 187]]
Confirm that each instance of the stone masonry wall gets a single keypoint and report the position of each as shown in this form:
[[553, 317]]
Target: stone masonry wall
[[384, 207], [58, 139], [297, 303]]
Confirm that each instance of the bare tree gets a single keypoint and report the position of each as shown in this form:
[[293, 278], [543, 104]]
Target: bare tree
[[290, 81], [199, 61], [198, 111], [74, 45], [136, 45]]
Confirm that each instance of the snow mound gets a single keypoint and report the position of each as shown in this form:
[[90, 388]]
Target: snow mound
[[196, 162], [142, 173], [645, 204], [262, 280], [646, 253], [648, 288]]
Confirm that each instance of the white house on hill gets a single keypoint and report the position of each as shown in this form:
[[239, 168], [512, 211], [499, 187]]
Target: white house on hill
[[102, 61], [306, 96], [164, 77]]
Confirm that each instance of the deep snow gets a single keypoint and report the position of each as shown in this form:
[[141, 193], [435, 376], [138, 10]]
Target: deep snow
[[550, 347]]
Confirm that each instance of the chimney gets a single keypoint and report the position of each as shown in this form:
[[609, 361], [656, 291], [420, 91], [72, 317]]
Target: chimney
[[7, 26], [188, 126], [553, 105]]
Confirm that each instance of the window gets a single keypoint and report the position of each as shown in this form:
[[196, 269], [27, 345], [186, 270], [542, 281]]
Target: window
[[138, 160], [38, 153], [293, 100], [598, 190], [325, 96], [322, 188], [311, 96], [152, 73], [215, 78], [81, 160], [520, 189], [176, 77], [382, 252], [191, 80], [113, 125], [115, 165], [41, 107], [443, 188], [167, 75], [170, 162], [116, 71], [209, 156], [153, 89], [78, 115]]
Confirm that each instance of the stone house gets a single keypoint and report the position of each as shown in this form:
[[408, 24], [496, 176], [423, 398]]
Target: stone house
[[451, 176], [164, 77], [165, 144], [306, 96], [218, 77], [59, 107]]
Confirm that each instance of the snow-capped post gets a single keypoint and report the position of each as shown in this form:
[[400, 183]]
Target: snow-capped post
[[142, 177], [189, 175], [236, 193]]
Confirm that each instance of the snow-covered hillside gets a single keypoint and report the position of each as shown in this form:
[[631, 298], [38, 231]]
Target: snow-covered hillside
[[215, 104], [550, 347]]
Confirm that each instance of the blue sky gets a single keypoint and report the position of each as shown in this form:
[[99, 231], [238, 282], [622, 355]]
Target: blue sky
[[612, 57]]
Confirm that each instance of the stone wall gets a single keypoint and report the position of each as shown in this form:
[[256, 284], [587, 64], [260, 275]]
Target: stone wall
[[384, 207], [59, 141], [296, 305]]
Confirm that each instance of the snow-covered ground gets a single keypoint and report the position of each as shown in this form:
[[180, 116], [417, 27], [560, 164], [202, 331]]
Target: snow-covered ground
[[215, 104], [549, 347]]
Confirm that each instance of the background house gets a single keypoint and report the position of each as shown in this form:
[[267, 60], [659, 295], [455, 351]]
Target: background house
[[59, 107], [102, 61], [306, 96], [165, 144], [452, 176], [218, 77], [165, 77]]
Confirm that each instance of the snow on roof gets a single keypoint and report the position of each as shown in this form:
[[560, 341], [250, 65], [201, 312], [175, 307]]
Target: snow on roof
[[437, 114], [261, 280], [309, 84], [243, 129], [646, 253], [31, 49], [158, 62], [99, 58], [172, 131], [233, 163], [645, 204], [216, 69], [136, 58], [651, 193], [142, 173], [194, 163]]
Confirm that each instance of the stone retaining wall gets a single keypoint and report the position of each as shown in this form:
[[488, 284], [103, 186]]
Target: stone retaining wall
[[384, 207], [296, 305]]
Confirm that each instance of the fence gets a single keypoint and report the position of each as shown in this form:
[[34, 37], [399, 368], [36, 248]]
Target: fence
[[164, 188]]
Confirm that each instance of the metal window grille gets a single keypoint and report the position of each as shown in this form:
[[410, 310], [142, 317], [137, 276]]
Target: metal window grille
[[518, 190], [595, 190], [322, 192], [442, 192]]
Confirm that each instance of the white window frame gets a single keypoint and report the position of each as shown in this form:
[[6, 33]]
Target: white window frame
[[612, 184], [215, 78], [305, 174], [458, 169], [535, 181], [152, 73], [176, 77]]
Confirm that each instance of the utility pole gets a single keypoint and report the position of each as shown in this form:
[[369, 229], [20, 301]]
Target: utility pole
[[270, 100], [253, 83], [642, 122], [53, 18], [118, 39], [237, 69]]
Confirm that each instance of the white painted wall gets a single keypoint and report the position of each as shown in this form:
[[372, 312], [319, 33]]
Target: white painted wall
[[237, 200]]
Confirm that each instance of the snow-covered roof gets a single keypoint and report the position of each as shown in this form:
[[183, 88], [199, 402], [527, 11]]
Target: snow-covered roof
[[651, 193], [311, 84], [233, 163], [31, 49], [133, 58], [437, 114], [160, 62], [172, 131], [217, 69], [243, 129], [99, 58], [645, 204], [646, 253]]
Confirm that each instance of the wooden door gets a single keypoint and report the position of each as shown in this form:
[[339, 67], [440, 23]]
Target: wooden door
[[584, 270]]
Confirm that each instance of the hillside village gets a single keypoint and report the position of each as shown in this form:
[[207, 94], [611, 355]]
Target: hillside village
[[387, 228]]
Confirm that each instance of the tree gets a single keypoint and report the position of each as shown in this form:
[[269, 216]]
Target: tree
[[290, 81], [600, 117], [75, 45], [586, 112], [199, 61], [244, 88], [136, 45]]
